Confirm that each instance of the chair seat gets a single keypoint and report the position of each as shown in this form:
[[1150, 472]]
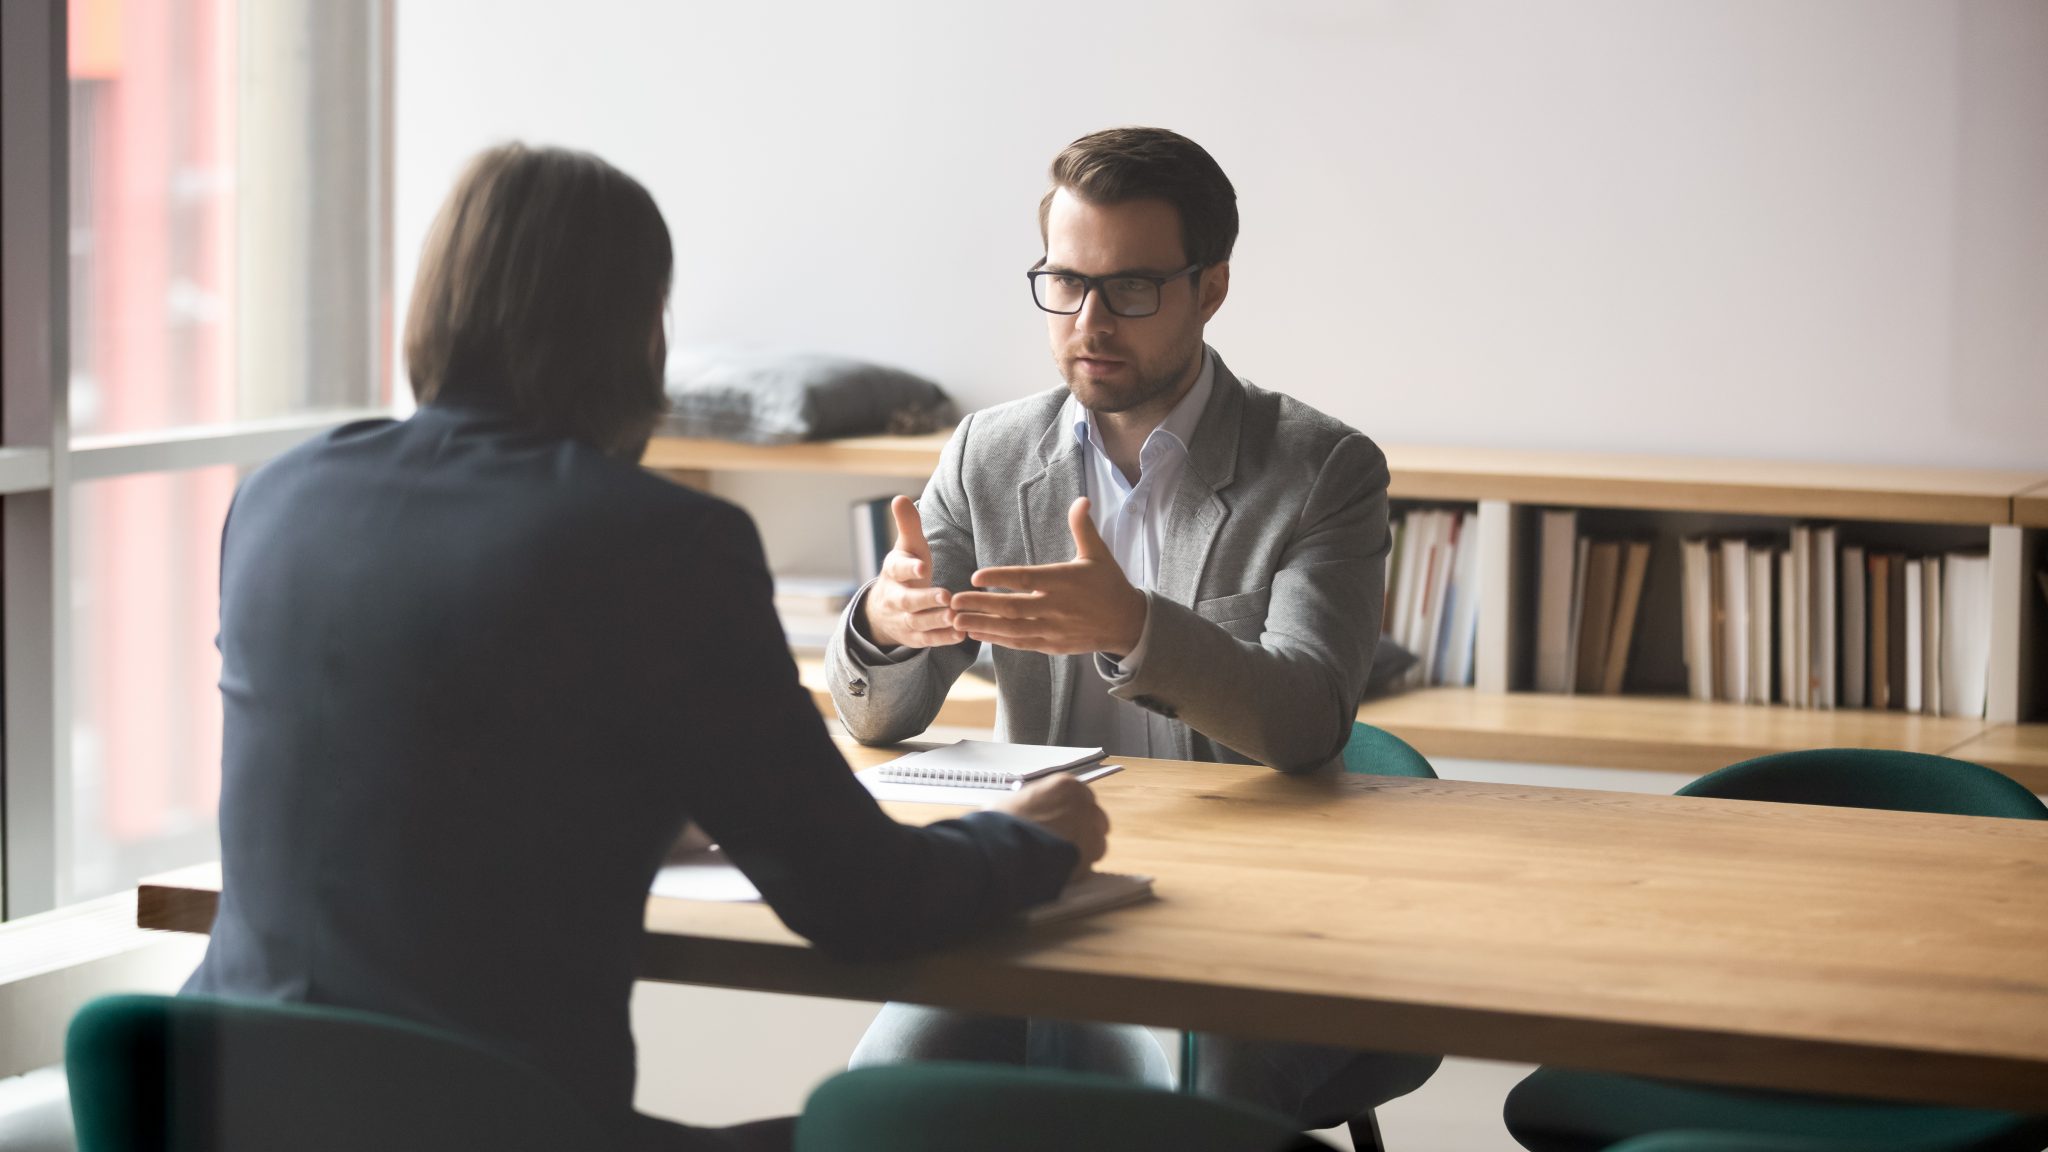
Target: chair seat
[[201, 1074], [1564, 1110], [941, 1107]]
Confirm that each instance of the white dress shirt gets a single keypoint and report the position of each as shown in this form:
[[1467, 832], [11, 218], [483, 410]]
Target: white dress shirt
[[1132, 521]]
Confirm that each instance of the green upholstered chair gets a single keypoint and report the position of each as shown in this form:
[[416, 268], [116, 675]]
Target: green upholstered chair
[[1690, 1140], [1372, 752], [1562, 1110], [1873, 778], [198, 1074], [939, 1107], [1377, 752]]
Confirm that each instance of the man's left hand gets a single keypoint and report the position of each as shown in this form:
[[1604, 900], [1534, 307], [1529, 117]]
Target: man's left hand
[[1082, 605]]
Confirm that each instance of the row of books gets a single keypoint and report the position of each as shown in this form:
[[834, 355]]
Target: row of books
[[874, 535], [1589, 595], [810, 607], [1810, 622], [1432, 593]]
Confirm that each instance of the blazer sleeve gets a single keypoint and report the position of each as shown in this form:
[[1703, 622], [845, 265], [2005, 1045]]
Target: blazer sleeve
[[1288, 699], [894, 698], [767, 783]]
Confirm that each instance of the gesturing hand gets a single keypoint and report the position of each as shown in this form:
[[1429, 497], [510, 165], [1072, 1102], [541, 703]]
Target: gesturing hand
[[1082, 605], [902, 607]]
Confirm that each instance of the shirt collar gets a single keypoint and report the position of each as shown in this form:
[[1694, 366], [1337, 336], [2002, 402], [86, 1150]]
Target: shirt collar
[[1179, 423]]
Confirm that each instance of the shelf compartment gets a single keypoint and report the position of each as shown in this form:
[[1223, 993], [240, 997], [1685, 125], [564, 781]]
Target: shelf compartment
[[2018, 750], [1654, 733], [1589, 480], [2030, 508], [1688, 484], [971, 703], [858, 456]]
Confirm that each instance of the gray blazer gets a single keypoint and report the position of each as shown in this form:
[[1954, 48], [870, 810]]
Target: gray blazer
[[1268, 601]]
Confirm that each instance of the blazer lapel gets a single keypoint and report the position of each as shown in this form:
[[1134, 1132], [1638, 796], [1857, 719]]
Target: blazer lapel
[[1042, 502], [1198, 513]]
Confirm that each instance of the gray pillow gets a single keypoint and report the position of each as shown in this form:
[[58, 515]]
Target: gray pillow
[[1390, 666], [763, 397]]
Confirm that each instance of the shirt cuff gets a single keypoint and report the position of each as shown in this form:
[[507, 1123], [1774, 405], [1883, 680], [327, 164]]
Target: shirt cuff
[[863, 650], [1134, 660]]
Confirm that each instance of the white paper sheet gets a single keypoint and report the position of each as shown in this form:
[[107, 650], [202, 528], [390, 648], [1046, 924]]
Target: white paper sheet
[[708, 876]]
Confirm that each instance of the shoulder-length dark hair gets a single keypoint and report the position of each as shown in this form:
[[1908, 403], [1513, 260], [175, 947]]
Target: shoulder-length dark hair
[[540, 292]]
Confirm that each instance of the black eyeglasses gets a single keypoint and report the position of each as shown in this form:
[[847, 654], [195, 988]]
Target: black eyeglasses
[[1127, 294]]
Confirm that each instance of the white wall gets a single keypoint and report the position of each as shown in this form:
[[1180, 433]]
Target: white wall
[[1736, 227]]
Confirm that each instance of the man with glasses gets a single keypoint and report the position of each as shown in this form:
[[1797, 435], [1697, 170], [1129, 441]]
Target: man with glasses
[[1166, 561]]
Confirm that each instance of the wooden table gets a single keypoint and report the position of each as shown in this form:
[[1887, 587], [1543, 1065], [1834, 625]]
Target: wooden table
[[1821, 949]]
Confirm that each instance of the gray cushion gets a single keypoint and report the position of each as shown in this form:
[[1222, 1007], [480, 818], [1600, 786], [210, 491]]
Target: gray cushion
[[1391, 664], [763, 397]]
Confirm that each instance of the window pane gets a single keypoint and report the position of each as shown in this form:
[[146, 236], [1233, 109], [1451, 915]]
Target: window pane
[[146, 704], [221, 252]]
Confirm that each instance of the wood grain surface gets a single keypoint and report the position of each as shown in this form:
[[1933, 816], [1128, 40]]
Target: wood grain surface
[[1819, 949], [1575, 479]]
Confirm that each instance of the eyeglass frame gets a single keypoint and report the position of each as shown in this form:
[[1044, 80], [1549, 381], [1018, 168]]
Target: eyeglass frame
[[1093, 284]]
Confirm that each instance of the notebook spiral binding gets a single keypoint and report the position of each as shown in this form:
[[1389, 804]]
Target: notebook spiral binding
[[954, 777]]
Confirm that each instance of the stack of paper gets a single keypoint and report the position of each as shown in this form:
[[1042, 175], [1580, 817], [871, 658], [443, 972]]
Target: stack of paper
[[709, 876]]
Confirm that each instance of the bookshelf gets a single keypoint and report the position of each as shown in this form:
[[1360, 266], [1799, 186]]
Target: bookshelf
[[2018, 750], [1585, 480], [2030, 508], [859, 456], [1675, 734], [2005, 511], [971, 703]]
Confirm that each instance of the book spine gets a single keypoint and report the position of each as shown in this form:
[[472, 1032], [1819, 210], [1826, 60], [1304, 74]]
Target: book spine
[[1855, 627]]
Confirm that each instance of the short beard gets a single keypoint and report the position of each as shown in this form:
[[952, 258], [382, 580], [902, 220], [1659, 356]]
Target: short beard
[[1143, 390]]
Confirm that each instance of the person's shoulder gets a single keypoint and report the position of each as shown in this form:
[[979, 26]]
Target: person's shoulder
[[1294, 428], [1004, 437], [1024, 419], [624, 527], [577, 489], [610, 488], [306, 459]]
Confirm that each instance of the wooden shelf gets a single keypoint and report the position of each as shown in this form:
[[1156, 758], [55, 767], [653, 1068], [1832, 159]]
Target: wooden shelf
[[971, 703], [1686, 484], [2018, 750], [1678, 735], [861, 456], [1658, 734], [2030, 508], [1667, 734], [1587, 480]]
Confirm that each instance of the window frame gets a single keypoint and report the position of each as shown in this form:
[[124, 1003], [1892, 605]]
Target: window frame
[[39, 461]]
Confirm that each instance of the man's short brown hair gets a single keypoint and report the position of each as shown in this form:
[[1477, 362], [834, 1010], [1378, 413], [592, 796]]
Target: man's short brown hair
[[1119, 164], [539, 289]]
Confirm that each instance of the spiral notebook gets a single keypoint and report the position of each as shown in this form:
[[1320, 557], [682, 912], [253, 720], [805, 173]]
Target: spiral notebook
[[1095, 892], [984, 764]]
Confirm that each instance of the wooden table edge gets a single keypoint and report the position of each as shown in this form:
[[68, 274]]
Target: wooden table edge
[[959, 980]]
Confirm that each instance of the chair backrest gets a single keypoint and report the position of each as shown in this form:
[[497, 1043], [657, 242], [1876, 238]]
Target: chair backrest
[[943, 1107], [1378, 752], [1873, 778], [199, 1074], [1690, 1140]]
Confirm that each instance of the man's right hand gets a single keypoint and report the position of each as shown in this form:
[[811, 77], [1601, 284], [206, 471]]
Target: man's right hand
[[1066, 808], [902, 607]]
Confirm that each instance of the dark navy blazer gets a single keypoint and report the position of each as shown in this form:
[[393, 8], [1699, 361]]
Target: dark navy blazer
[[476, 679]]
